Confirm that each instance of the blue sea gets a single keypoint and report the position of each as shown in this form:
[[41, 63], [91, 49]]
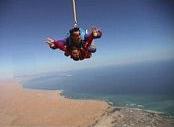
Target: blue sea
[[144, 85]]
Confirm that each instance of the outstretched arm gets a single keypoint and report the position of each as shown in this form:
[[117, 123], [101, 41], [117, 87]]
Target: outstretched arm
[[93, 35], [56, 44], [88, 42]]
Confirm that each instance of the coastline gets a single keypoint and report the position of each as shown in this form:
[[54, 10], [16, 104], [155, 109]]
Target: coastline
[[24, 107], [133, 117], [30, 108], [116, 116], [128, 106]]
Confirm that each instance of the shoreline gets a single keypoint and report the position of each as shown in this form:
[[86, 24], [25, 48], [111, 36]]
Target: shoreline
[[125, 117], [24, 107], [110, 104], [158, 118], [111, 116]]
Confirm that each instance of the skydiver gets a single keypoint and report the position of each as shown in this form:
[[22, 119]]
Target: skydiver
[[76, 43]]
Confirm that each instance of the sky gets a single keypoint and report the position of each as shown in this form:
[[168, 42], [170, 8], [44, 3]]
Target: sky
[[133, 31]]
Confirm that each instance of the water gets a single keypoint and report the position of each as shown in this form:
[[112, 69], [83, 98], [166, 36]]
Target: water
[[146, 85]]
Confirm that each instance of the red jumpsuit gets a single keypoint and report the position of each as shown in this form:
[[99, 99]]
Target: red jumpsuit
[[84, 53]]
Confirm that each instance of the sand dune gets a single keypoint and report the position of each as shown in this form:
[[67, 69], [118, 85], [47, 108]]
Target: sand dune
[[35, 108]]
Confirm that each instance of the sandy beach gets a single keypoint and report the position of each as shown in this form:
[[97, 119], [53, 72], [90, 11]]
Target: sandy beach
[[21, 107], [35, 108]]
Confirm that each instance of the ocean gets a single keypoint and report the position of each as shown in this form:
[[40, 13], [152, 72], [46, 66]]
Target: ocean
[[148, 86]]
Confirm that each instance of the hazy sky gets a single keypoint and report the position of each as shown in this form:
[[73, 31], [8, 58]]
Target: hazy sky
[[133, 31]]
